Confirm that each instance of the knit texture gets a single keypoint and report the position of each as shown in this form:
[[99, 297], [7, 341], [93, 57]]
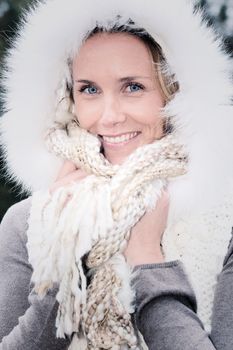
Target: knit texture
[[201, 243], [88, 224]]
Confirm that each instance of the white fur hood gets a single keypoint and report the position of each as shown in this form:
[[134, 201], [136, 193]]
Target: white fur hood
[[201, 110]]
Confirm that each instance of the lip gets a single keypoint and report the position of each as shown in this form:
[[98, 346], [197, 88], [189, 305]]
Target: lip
[[107, 144], [118, 135]]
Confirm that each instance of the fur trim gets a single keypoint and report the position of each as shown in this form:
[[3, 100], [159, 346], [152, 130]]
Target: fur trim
[[35, 66]]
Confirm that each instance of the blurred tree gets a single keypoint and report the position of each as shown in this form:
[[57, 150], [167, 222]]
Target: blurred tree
[[220, 12], [10, 11]]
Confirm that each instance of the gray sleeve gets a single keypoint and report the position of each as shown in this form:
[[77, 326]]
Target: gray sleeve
[[26, 322], [166, 308], [222, 319]]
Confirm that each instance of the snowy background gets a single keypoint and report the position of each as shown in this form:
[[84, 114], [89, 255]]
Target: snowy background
[[219, 13]]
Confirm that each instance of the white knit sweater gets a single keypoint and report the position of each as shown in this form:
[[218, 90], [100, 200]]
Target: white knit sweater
[[201, 243]]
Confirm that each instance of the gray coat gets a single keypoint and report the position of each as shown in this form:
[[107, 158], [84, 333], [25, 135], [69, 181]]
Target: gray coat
[[165, 302]]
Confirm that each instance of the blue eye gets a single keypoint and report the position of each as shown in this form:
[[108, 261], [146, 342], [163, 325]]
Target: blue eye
[[134, 87], [88, 89]]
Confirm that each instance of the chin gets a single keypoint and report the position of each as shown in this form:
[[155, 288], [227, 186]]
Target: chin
[[116, 160]]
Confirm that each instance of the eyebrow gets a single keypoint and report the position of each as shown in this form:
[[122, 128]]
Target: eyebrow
[[121, 80]]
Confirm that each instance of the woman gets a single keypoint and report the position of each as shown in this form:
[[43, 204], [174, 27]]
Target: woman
[[127, 99]]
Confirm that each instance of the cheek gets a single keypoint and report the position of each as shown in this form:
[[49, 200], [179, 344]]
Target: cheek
[[147, 111], [149, 115], [86, 113], [144, 111]]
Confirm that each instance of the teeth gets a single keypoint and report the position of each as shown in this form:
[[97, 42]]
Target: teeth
[[120, 139]]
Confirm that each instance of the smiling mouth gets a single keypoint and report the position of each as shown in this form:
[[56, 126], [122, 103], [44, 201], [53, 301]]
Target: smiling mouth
[[119, 139]]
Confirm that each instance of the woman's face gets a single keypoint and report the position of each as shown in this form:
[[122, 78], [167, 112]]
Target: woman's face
[[116, 94]]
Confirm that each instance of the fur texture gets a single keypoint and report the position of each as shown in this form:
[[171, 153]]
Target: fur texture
[[201, 111]]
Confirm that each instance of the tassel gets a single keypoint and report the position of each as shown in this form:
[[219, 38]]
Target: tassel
[[78, 343]]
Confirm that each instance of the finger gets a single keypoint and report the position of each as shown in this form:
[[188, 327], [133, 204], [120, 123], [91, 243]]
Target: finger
[[67, 168], [163, 198], [71, 177]]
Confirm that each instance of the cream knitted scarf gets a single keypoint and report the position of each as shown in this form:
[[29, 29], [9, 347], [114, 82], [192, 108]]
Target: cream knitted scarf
[[76, 236]]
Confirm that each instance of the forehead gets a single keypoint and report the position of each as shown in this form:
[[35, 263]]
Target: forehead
[[113, 51]]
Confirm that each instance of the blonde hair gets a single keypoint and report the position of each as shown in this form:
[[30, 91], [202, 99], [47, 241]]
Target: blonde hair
[[167, 83]]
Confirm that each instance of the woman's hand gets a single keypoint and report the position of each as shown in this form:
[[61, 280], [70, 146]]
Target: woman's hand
[[144, 246], [67, 174]]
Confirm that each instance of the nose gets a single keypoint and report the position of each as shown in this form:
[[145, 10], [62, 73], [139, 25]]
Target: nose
[[112, 112]]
